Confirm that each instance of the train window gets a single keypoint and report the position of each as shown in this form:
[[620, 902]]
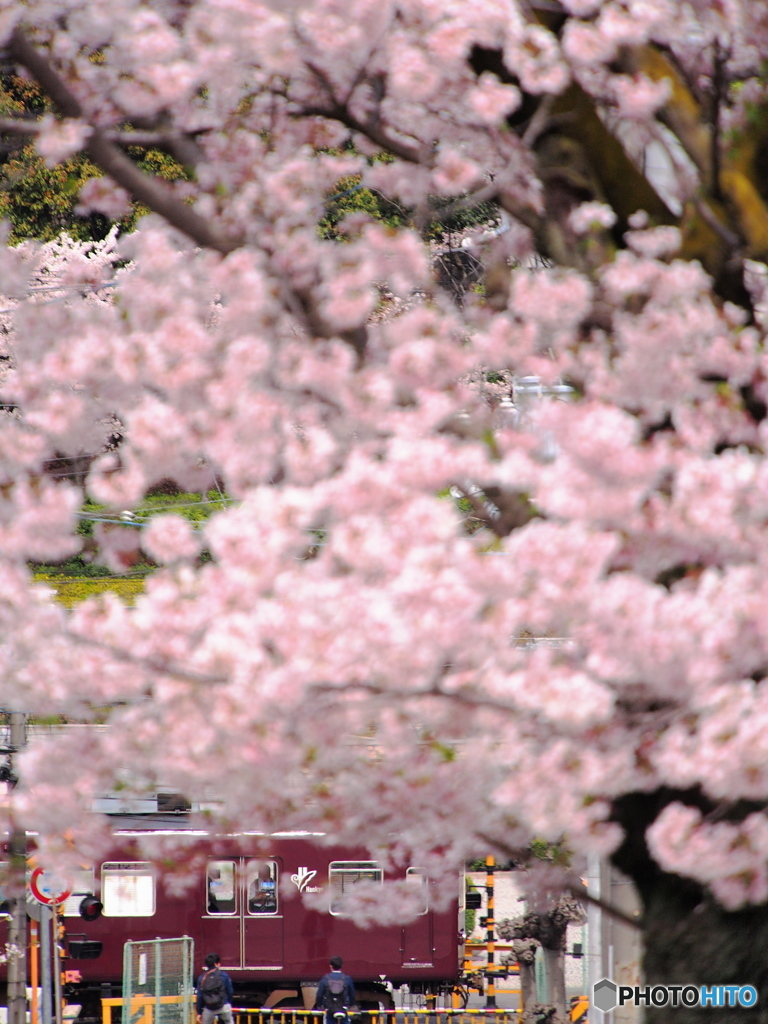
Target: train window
[[417, 878], [84, 885], [261, 879], [343, 875], [220, 887], [128, 890]]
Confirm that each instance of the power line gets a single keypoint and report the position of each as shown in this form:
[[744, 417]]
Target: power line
[[348, 192]]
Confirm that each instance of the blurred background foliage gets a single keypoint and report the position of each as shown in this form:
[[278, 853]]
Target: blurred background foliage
[[79, 577], [40, 201]]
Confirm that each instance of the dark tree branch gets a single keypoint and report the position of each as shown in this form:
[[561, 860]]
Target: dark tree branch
[[581, 893], [730, 238], [411, 154], [540, 120], [578, 890], [105, 154], [19, 126], [719, 59], [154, 665], [145, 139]]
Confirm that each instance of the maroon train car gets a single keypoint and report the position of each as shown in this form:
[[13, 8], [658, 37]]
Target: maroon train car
[[275, 948]]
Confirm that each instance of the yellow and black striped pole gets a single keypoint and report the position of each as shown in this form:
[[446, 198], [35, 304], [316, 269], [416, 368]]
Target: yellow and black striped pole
[[490, 935]]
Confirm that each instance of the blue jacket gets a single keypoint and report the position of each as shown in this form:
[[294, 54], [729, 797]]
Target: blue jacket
[[228, 990], [322, 989]]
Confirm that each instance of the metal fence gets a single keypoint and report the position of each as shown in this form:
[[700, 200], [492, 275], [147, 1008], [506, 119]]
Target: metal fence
[[145, 1008], [400, 1016], [158, 986], [577, 1013]]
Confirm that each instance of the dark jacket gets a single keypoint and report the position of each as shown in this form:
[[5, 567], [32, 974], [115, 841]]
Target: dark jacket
[[322, 989], [228, 990]]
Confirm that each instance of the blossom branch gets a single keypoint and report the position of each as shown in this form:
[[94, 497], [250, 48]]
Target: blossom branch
[[581, 893], [730, 238], [682, 112], [338, 112], [178, 145], [576, 889], [149, 663], [106, 155], [433, 690], [19, 126]]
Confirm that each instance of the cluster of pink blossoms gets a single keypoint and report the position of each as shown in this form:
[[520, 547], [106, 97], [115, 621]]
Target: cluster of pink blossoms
[[349, 592]]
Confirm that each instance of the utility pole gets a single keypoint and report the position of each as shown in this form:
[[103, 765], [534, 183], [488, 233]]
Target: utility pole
[[490, 934], [17, 890]]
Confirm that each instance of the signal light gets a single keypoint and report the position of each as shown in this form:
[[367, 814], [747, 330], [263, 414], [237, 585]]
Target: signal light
[[90, 908], [83, 949]]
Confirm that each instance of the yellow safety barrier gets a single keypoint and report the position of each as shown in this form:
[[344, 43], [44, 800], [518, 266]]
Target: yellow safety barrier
[[402, 1016], [579, 1008], [142, 1012], [142, 1008]]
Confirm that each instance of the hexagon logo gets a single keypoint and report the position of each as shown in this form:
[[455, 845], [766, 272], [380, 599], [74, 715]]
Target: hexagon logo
[[604, 995]]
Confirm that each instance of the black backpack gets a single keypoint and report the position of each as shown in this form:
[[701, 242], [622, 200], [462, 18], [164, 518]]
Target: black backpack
[[212, 988], [335, 996]]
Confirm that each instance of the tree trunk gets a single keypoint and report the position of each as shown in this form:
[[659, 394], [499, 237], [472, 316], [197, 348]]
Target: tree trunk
[[527, 983], [17, 892], [689, 939], [554, 972]]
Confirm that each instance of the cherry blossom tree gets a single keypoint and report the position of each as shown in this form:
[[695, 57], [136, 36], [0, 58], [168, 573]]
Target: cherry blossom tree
[[547, 928], [434, 617]]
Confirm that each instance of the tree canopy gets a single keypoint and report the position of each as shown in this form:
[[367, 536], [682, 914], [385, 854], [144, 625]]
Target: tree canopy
[[597, 631]]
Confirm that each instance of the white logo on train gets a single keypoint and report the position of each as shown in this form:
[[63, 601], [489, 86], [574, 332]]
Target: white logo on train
[[302, 878]]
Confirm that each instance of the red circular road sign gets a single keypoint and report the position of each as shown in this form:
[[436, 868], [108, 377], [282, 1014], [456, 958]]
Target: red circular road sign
[[48, 889]]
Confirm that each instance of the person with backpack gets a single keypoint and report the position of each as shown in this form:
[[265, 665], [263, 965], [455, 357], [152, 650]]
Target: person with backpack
[[214, 993], [335, 993]]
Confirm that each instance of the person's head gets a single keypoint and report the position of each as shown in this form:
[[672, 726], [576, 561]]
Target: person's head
[[212, 960], [336, 963]]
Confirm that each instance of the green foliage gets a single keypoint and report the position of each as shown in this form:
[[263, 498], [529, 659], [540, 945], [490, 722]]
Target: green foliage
[[78, 578], [21, 95], [446, 752], [159, 165], [348, 198], [459, 218], [71, 591], [195, 507], [39, 201], [556, 853]]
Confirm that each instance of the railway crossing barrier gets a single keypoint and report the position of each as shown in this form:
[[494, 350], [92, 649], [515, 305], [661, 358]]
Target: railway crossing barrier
[[142, 1011], [402, 1016]]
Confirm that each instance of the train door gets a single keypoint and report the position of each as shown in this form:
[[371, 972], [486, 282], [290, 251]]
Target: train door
[[222, 911], [262, 914], [243, 918], [416, 941]]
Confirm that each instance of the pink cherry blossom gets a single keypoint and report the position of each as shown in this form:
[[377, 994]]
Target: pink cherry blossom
[[493, 488], [103, 196], [455, 173], [58, 140], [169, 537], [492, 100], [589, 216]]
